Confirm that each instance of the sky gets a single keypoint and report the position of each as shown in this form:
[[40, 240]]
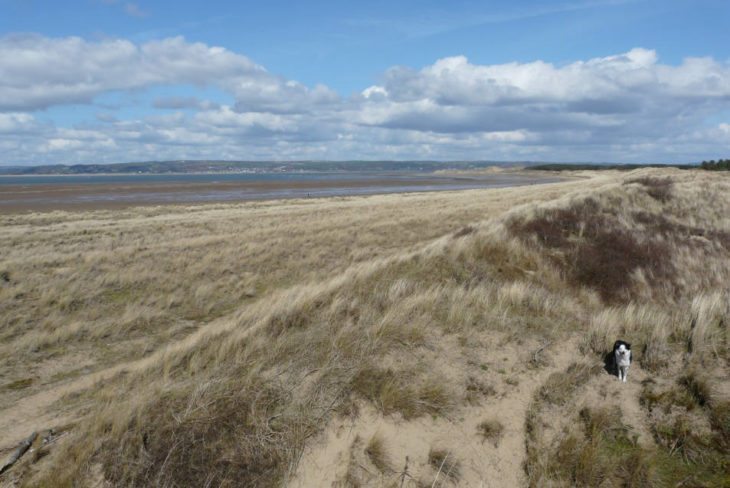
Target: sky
[[105, 81]]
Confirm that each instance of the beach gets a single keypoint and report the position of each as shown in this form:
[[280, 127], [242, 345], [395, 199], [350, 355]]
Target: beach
[[48, 193]]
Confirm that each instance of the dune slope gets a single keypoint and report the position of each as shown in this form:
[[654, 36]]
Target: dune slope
[[475, 359]]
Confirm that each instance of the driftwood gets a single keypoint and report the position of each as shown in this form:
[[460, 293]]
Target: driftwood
[[18, 453], [536, 355]]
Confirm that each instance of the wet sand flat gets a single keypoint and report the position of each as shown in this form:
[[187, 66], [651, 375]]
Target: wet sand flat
[[42, 196]]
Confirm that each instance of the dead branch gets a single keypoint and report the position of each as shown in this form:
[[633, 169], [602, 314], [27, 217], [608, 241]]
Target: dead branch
[[536, 354], [22, 449]]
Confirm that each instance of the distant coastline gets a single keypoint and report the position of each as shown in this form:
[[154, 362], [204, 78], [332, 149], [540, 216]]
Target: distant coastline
[[205, 167], [246, 167]]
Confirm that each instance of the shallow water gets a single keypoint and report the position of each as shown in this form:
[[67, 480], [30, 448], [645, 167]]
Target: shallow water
[[189, 178]]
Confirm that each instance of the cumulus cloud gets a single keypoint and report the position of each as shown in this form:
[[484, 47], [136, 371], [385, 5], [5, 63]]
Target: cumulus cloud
[[602, 94], [627, 107], [40, 72], [17, 123]]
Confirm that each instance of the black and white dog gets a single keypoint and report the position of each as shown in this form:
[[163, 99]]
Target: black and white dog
[[622, 358]]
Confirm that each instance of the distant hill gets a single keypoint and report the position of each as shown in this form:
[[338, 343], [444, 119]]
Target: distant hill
[[214, 166], [206, 166]]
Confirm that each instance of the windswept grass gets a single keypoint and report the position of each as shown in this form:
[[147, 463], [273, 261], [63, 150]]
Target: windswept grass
[[317, 329], [98, 284]]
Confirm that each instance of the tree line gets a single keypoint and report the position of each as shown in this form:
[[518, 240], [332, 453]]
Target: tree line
[[719, 165]]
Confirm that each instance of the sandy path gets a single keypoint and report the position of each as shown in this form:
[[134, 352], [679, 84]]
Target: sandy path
[[633, 414], [482, 463], [606, 390]]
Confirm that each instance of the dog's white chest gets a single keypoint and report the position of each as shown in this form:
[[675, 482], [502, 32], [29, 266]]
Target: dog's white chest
[[623, 358]]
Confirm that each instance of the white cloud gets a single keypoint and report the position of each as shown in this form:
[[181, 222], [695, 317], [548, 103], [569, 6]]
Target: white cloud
[[455, 95], [39, 72], [627, 107], [16, 122]]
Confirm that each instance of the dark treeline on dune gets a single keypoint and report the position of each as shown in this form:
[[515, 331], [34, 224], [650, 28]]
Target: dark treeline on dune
[[604, 166], [719, 165]]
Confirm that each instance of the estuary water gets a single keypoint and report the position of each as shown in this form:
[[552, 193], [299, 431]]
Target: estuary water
[[50, 192]]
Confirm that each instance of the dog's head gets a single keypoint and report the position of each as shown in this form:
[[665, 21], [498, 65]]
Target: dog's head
[[622, 349]]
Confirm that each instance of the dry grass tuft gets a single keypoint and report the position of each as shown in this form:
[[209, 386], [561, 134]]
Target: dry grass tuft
[[601, 452], [558, 388], [378, 455], [491, 429], [477, 390], [444, 464], [397, 392]]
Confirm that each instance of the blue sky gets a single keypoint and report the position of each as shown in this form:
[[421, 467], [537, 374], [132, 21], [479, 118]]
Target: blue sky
[[599, 80]]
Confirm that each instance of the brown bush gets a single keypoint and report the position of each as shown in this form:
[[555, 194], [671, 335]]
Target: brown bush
[[554, 228], [606, 261], [595, 250]]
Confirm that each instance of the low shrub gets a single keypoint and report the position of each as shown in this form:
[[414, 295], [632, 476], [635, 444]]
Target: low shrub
[[597, 250]]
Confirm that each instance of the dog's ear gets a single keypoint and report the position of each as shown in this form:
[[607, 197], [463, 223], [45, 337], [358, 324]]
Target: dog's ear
[[628, 346]]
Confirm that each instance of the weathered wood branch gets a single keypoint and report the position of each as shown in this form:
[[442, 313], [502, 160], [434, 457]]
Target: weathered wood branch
[[18, 453]]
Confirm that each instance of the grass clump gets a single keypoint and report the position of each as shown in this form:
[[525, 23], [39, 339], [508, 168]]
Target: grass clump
[[558, 388], [377, 454], [601, 452], [445, 464], [491, 429], [476, 390], [690, 427], [698, 387], [401, 392]]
